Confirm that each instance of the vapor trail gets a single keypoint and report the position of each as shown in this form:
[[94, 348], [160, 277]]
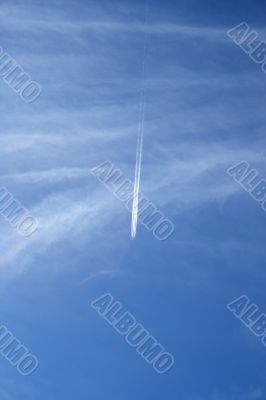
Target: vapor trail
[[135, 206], [140, 136]]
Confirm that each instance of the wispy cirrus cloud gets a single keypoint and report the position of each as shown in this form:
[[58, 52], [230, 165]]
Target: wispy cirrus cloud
[[33, 20], [68, 215], [96, 119], [51, 175], [62, 217]]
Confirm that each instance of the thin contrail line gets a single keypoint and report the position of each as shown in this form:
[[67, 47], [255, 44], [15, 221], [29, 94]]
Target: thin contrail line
[[140, 136], [135, 205]]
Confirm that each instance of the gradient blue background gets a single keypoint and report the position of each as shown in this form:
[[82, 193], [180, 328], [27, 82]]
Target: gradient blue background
[[205, 112]]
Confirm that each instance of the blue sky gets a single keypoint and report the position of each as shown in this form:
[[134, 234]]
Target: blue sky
[[205, 112]]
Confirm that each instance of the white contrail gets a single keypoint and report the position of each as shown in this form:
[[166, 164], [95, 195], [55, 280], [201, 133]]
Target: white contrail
[[135, 205]]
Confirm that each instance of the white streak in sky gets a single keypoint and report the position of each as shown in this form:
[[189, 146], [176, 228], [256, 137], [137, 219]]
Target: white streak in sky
[[135, 205]]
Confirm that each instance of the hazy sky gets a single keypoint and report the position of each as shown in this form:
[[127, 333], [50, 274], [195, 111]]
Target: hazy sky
[[205, 112]]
